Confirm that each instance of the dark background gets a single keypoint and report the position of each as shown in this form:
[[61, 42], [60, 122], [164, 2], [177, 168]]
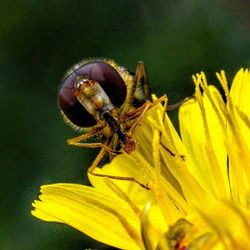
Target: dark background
[[39, 40]]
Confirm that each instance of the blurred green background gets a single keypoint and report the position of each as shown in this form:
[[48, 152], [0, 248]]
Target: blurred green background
[[39, 40]]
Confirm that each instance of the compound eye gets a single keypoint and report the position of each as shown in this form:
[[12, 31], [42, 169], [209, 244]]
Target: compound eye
[[99, 71]]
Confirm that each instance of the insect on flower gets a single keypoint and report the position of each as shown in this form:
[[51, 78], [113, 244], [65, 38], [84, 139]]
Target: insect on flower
[[103, 100]]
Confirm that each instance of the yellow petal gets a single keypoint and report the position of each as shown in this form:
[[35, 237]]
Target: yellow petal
[[237, 141], [202, 127], [104, 218], [240, 94], [153, 226], [229, 223], [127, 190], [180, 183], [240, 91]]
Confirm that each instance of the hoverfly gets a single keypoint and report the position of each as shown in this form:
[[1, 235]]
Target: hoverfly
[[103, 100]]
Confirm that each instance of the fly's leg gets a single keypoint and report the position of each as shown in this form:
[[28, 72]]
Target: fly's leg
[[165, 108], [132, 114], [142, 113], [139, 119], [135, 114], [121, 178], [104, 149], [77, 141], [178, 104], [147, 106], [175, 105]]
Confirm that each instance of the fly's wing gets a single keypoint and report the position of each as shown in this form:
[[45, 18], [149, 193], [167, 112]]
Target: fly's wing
[[142, 91]]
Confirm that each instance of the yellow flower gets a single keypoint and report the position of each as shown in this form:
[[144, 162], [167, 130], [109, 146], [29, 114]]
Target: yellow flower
[[199, 195]]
